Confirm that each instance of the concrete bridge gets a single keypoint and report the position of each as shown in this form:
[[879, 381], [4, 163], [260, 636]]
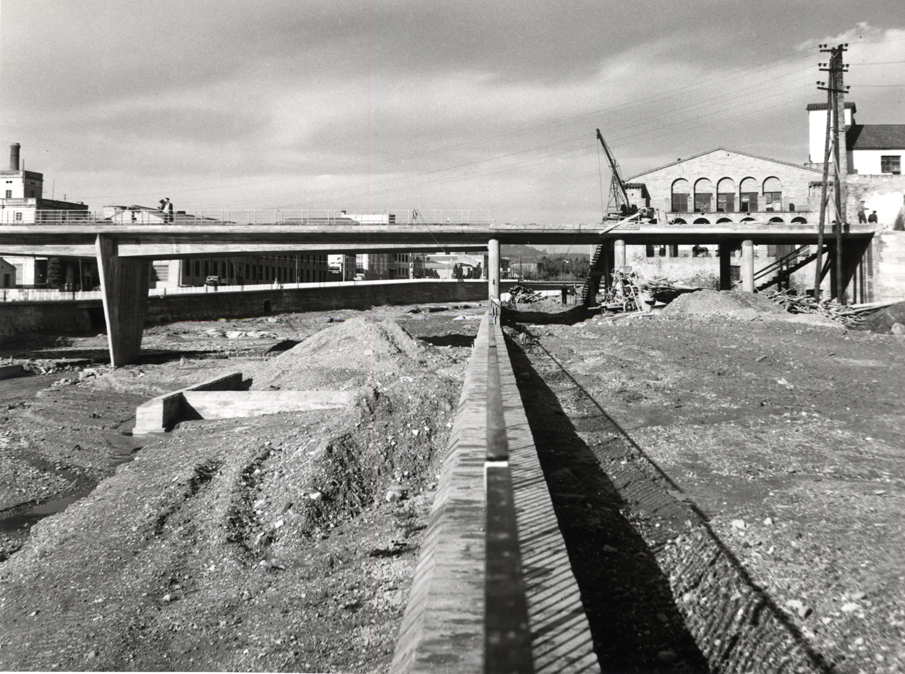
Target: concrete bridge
[[124, 252]]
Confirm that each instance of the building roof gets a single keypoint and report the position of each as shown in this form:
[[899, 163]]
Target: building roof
[[823, 106], [723, 149], [875, 137]]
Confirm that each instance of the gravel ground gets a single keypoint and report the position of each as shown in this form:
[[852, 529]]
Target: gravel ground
[[763, 458], [785, 441]]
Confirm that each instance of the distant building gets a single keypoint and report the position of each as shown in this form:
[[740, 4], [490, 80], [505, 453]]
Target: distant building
[[871, 149], [380, 266], [23, 198], [722, 186], [7, 274], [23, 202]]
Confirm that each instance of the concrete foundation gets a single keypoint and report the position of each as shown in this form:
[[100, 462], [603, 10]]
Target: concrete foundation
[[220, 398]]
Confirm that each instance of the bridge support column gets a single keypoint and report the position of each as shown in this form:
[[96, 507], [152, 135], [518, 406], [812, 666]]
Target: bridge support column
[[493, 269], [747, 270], [124, 283], [618, 254], [725, 266]]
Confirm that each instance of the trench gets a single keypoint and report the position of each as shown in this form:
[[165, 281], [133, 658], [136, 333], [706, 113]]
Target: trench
[[661, 591]]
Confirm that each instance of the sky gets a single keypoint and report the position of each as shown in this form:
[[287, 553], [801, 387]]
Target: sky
[[479, 105]]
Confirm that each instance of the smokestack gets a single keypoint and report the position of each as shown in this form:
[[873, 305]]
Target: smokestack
[[14, 157]]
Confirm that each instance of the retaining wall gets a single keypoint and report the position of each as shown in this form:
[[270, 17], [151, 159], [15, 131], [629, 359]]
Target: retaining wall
[[65, 317], [444, 622]]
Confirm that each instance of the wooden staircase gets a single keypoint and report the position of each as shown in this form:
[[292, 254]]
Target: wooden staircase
[[592, 282], [782, 275]]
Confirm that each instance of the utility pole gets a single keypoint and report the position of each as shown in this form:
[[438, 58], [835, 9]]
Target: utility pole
[[835, 137]]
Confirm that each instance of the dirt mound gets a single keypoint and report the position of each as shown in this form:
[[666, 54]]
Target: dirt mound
[[883, 320], [722, 303], [344, 356], [393, 431]]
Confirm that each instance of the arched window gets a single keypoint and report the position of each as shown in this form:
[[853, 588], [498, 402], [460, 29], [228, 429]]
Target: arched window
[[777, 219], [723, 221], [799, 220], [703, 196], [773, 194], [748, 192], [702, 221], [680, 192], [725, 196]]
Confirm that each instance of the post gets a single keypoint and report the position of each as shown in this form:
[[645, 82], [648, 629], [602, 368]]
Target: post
[[725, 266], [747, 266], [493, 270], [619, 254], [124, 284]]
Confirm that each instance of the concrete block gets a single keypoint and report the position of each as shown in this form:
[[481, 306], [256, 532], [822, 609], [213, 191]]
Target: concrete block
[[160, 413], [233, 404], [10, 371]]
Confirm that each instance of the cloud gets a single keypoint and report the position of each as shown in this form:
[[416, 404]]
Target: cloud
[[247, 104]]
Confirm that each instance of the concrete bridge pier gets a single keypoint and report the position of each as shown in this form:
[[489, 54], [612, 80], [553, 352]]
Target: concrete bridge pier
[[619, 260], [493, 270], [747, 270], [124, 283]]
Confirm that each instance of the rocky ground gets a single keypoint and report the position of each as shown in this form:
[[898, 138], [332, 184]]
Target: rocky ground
[[288, 542]]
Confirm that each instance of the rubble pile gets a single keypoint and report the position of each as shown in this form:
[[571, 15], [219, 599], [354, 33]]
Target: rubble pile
[[829, 308], [522, 295]]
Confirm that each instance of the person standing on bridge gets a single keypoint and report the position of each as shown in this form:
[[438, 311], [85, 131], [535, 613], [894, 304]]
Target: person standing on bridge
[[862, 213], [168, 211], [872, 217]]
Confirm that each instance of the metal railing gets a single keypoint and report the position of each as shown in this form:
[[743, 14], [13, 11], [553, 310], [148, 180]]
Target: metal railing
[[147, 216]]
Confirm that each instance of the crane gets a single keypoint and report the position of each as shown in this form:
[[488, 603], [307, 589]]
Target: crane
[[618, 203]]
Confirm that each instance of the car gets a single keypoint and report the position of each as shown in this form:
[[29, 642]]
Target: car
[[212, 281]]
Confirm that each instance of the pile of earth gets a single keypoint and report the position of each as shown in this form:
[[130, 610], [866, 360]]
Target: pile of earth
[[735, 304], [721, 303], [347, 355], [885, 320], [388, 442]]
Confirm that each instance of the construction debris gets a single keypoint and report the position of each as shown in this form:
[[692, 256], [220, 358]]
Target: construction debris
[[523, 295], [805, 304]]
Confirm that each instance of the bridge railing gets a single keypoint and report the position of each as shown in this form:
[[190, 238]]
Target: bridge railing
[[135, 215]]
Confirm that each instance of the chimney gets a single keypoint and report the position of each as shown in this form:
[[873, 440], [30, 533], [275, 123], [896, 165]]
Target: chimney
[[14, 157]]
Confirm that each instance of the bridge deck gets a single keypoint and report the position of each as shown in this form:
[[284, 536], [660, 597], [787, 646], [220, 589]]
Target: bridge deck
[[220, 238]]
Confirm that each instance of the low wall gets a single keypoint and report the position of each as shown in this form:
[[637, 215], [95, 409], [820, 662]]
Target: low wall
[[81, 316], [889, 267], [225, 303], [160, 413], [443, 628]]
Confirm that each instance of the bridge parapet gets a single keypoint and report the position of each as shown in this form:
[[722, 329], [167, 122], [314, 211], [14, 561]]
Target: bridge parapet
[[140, 215]]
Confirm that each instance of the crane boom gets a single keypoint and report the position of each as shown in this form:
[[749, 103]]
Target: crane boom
[[618, 193]]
